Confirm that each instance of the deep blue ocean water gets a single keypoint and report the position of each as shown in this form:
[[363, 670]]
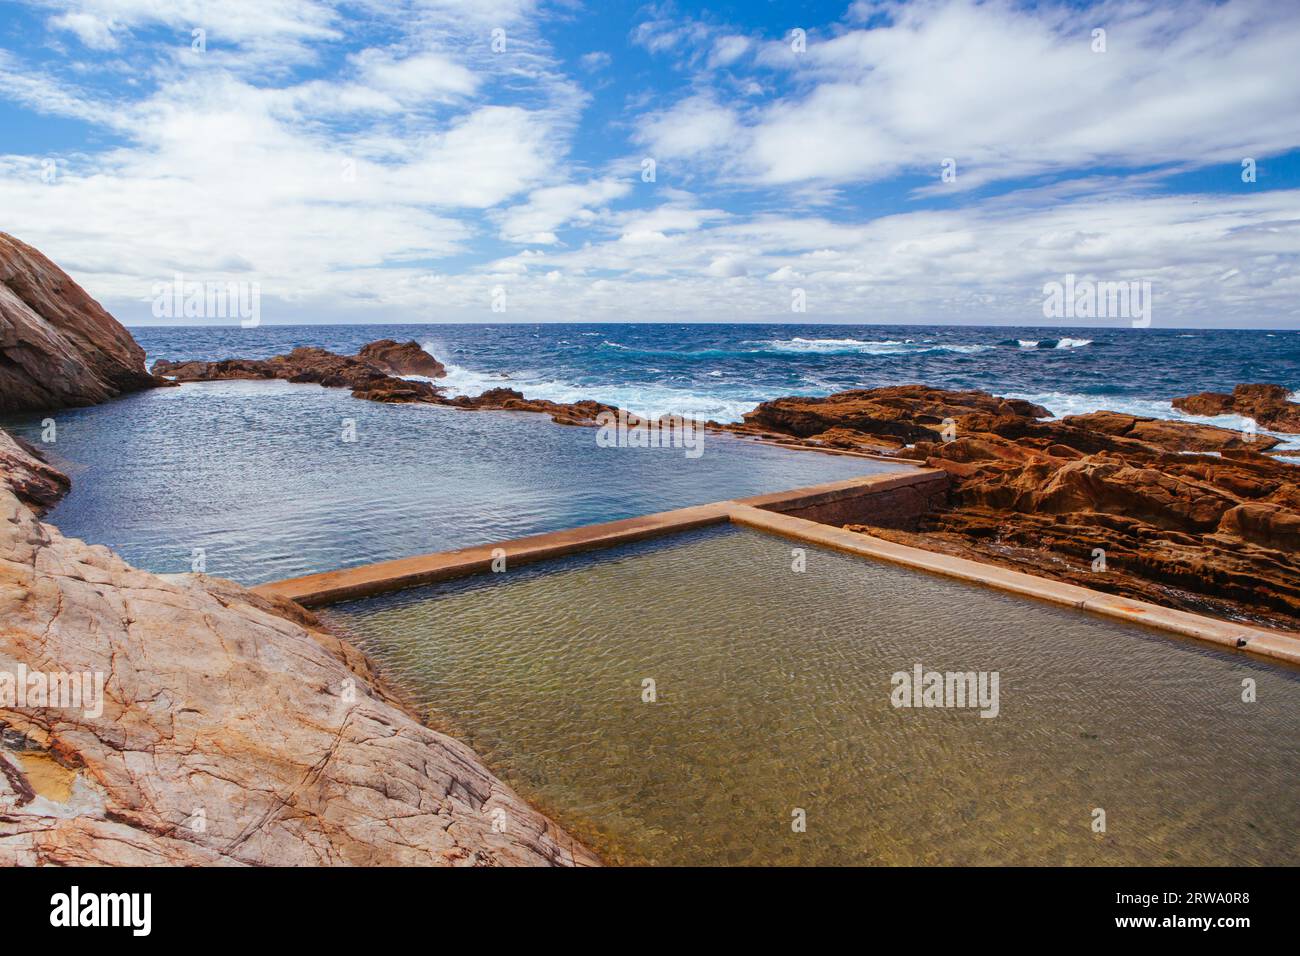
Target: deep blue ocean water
[[721, 371]]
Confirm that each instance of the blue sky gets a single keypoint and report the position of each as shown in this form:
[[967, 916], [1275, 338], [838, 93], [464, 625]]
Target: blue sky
[[389, 162]]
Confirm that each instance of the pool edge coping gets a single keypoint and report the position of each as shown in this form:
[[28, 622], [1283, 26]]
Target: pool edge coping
[[763, 513], [366, 580], [1276, 645]]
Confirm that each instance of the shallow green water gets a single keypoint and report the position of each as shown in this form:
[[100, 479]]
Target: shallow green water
[[774, 695]]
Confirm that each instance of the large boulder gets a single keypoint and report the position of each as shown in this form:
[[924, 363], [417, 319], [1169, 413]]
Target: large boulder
[[58, 347], [231, 729], [401, 358]]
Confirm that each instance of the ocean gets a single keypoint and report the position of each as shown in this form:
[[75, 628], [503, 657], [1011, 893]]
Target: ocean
[[722, 371]]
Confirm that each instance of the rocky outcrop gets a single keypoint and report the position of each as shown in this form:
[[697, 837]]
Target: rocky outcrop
[[509, 400], [230, 730], [885, 419], [28, 476], [58, 347], [372, 374], [364, 378], [1269, 405], [401, 358], [1187, 515]]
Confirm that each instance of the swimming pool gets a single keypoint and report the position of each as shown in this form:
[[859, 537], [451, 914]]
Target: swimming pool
[[259, 480], [773, 704]]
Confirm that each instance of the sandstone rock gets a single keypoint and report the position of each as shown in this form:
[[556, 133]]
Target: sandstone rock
[[1269, 405], [897, 414], [35, 483], [1263, 523], [1172, 435], [508, 399], [234, 730], [1205, 403], [1214, 533], [58, 347], [401, 358], [306, 364], [367, 375]]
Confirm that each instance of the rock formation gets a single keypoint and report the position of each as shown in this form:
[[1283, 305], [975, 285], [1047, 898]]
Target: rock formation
[[372, 374], [1187, 515], [58, 347], [363, 377], [233, 730], [1269, 405], [507, 399], [401, 358], [26, 474]]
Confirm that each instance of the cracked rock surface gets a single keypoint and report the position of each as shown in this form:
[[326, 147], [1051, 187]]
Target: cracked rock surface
[[234, 730]]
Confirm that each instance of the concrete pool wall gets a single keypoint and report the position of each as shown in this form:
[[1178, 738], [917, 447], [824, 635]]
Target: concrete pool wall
[[809, 514]]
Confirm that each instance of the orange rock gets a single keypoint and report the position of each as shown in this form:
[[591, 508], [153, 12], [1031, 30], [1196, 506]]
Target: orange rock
[[58, 347], [1269, 405], [1188, 515]]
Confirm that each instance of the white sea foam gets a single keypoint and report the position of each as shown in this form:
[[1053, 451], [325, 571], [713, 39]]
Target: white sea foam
[[1073, 343], [802, 346], [655, 400], [641, 399], [1061, 404]]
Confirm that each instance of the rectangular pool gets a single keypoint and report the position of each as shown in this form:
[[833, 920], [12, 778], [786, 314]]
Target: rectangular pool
[[773, 704]]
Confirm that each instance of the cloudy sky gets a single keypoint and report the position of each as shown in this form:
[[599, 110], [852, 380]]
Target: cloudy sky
[[404, 161]]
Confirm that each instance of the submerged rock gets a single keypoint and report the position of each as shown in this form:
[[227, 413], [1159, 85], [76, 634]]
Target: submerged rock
[[58, 347], [230, 729]]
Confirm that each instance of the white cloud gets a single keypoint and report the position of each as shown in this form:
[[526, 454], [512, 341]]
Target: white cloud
[[94, 32], [728, 49], [727, 267], [321, 190], [1010, 91], [694, 126], [415, 77], [348, 177], [551, 207]]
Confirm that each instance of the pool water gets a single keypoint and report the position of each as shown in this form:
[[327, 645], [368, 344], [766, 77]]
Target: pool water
[[772, 697], [256, 479]]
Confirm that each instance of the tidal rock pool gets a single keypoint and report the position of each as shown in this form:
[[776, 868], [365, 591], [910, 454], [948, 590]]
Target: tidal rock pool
[[258, 481]]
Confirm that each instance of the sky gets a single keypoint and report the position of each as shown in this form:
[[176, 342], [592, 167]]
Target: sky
[[521, 160]]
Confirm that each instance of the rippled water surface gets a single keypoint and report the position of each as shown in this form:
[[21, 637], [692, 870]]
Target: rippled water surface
[[257, 475], [773, 693]]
